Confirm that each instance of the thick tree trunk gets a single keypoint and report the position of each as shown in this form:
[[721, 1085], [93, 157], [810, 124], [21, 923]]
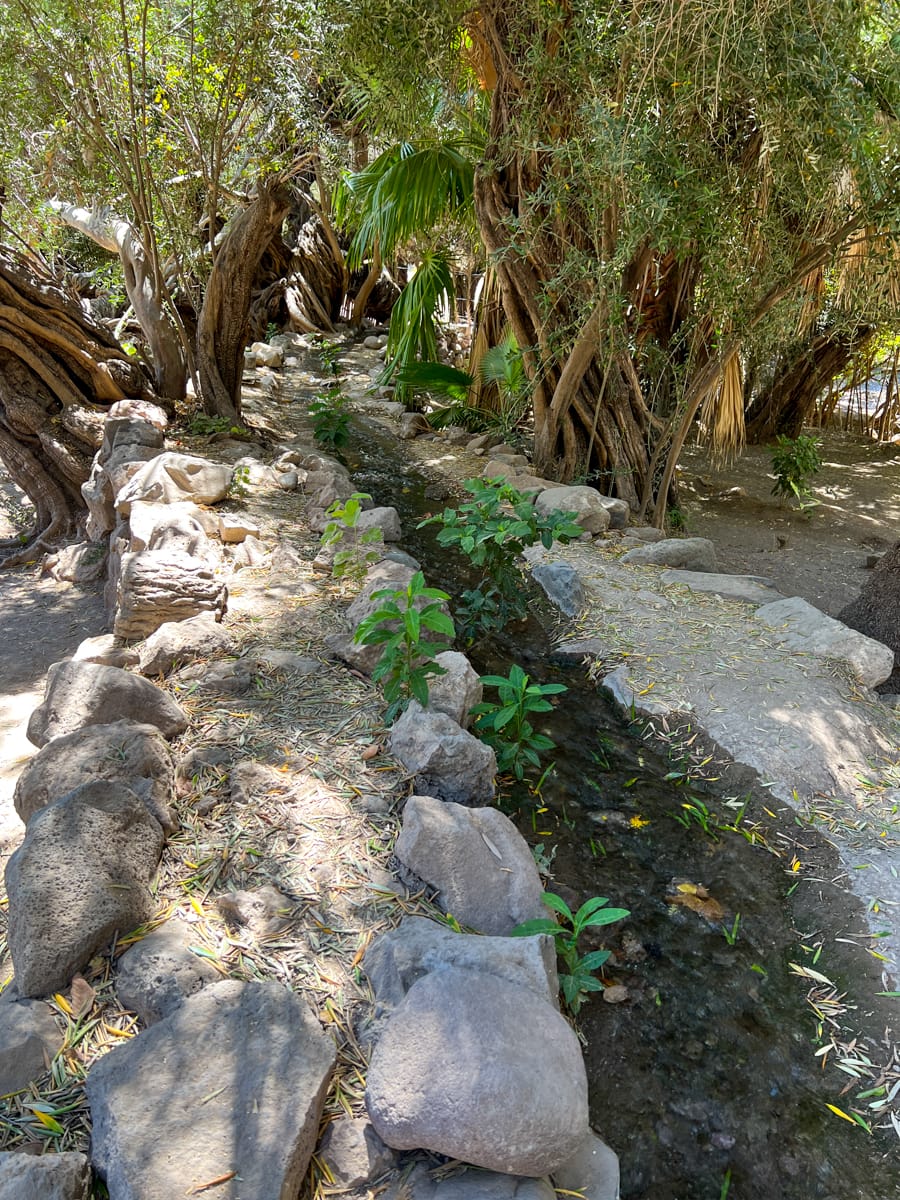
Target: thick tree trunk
[[589, 416], [317, 281], [224, 317], [59, 372], [144, 293], [788, 401]]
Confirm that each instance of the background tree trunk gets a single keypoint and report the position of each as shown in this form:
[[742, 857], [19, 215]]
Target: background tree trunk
[[144, 293], [787, 402], [59, 372], [224, 317]]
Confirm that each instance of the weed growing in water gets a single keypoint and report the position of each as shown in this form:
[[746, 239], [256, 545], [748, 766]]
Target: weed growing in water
[[331, 418], [504, 723], [579, 978], [355, 555], [492, 530], [407, 659]]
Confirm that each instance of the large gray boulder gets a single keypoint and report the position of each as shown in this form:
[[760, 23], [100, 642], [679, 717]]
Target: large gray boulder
[[585, 502], [230, 1086], [65, 1176], [81, 875], [29, 1040], [158, 973], [687, 554], [475, 859], [399, 957], [446, 760], [156, 586], [123, 752], [171, 477], [177, 643], [482, 1070], [799, 626], [83, 693]]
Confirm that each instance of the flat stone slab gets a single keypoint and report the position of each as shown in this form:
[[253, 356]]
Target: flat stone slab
[[751, 589], [158, 973], [474, 1184], [799, 626], [688, 554], [228, 1089]]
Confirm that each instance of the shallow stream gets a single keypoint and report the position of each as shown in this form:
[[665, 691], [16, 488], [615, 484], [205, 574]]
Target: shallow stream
[[704, 1076]]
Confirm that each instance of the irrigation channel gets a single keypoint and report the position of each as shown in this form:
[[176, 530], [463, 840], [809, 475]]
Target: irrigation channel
[[704, 1075]]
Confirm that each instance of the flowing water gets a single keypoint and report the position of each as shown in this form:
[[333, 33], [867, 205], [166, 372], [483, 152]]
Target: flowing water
[[703, 1076]]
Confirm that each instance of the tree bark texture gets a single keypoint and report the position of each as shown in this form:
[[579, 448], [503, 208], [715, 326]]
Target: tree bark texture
[[589, 418], [788, 401], [224, 317], [59, 372], [144, 293]]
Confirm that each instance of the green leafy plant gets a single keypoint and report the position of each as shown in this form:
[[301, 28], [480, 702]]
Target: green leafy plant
[[579, 978], [731, 931], [492, 530], [504, 723], [203, 425], [272, 331], [240, 482], [398, 625], [355, 553], [331, 418], [794, 462], [330, 353]]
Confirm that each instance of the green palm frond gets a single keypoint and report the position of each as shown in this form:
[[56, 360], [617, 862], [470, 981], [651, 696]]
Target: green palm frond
[[412, 333], [435, 377], [404, 192]]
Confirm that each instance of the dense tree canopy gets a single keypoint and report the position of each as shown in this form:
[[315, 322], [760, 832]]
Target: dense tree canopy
[[690, 209]]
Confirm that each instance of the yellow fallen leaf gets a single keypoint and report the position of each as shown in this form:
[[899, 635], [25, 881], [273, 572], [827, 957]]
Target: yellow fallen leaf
[[839, 1112]]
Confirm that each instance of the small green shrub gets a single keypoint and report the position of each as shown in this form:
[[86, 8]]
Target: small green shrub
[[492, 530], [330, 353], [504, 723], [352, 560], [794, 462], [331, 418], [579, 978], [407, 658], [203, 425]]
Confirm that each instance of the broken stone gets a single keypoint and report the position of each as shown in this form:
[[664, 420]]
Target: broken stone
[[157, 974], [446, 760], [475, 1184], [106, 650], [417, 946], [592, 1171], [457, 691], [585, 502], [171, 477], [264, 911], [800, 626], [353, 1152], [234, 528], [65, 1176], [157, 586], [562, 585], [687, 554], [29, 1041]]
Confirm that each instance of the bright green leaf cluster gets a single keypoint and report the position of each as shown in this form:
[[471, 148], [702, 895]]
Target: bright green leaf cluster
[[505, 726]]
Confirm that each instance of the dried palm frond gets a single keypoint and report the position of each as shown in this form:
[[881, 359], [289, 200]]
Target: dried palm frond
[[722, 414]]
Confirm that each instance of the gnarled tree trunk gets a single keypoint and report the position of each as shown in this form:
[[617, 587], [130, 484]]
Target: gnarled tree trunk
[[59, 372], [788, 401], [224, 317], [144, 292]]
